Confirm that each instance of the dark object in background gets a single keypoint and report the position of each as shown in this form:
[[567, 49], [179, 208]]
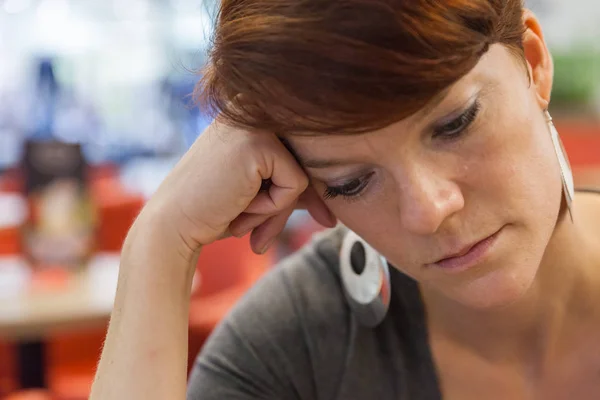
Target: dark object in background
[[48, 161], [60, 229]]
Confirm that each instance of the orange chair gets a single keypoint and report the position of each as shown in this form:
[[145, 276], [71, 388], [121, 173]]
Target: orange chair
[[71, 363], [10, 240], [8, 374], [101, 171], [30, 395], [12, 181], [10, 244], [72, 358], [582, 143], [117, 209], [581, 140], [226, 270]]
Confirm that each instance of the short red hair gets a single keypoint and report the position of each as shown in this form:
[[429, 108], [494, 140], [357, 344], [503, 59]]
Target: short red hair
[[333, 66]]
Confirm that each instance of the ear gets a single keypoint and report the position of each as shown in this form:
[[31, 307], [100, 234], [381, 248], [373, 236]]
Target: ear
[[539, 60]]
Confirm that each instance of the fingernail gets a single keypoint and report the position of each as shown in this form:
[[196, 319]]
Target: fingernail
[[245, 232], [264, 249]]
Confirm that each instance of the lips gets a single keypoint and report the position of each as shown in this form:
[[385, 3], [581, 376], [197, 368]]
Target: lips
[[468, 255], [462, 252]]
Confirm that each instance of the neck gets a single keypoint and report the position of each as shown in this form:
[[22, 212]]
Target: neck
[[528, 330]]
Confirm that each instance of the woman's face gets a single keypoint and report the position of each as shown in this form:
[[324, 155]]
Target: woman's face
[[476, 162]]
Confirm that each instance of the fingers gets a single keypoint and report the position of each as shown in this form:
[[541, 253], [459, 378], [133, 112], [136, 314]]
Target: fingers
[[245, 222], [262, 204], [308, 200], [287, 182], [265, 234], [311, 201], [226, 234], [266, 227], [267, 214]]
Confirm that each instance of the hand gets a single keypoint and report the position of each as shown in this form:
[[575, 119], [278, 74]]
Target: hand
[[215, 190]]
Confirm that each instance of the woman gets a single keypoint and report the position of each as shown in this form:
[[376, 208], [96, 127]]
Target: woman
[[422, 127]]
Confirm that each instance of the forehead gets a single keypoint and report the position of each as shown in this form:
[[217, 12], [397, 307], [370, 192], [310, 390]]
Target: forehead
[[495, 68]]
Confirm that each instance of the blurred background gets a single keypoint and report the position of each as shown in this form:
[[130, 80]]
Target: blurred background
[[95, 109]]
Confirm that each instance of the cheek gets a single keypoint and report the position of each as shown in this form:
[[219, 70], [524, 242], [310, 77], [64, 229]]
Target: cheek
[[374, 221], [364, 219], [513, 152], [364, 215], [518, 168]]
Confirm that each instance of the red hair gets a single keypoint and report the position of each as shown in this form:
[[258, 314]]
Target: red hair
[[333, 66]]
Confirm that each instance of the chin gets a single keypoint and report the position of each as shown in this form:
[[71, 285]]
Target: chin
[[499, 288]]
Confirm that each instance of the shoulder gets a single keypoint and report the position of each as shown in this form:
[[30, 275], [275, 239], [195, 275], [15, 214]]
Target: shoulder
[[290, 331]]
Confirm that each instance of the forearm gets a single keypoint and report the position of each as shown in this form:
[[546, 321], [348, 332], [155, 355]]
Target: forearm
[[145, 354]]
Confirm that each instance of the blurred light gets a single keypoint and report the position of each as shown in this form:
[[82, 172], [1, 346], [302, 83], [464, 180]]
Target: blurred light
[[76, 36], [16, 6], [60, 30], [193, 30], [131, 9], [53, 10], [184, 5]]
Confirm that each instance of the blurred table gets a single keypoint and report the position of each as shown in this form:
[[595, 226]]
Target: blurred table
[[84, 299], [31, 310]]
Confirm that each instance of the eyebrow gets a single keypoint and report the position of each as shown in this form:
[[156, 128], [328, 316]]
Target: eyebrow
[[321, 164], [433, 103], [316, 164], [309, 163]]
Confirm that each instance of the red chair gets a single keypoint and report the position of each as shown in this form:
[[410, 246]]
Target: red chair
[[581, 139], [72, 358], [582, 143], [71, 363], [117, 209], [11, 181], [10, 244], [8, 374], [30, 395], [226, 270], [10, 240]]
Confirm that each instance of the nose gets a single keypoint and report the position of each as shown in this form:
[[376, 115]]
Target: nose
[[427, 199]]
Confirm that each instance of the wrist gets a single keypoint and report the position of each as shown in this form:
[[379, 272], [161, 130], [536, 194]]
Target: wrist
[[154, 236]]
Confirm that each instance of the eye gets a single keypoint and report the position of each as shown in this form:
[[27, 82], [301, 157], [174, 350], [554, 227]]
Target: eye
[[458, 125], [351, 189]]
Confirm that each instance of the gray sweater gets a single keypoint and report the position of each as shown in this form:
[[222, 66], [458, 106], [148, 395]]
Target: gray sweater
[[294, 337]]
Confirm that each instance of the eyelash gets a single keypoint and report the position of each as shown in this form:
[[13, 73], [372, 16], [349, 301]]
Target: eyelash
[[350, 190], [458, 126], [451, 130]]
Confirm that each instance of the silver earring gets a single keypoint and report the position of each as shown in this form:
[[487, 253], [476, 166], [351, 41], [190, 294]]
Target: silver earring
[[565, 167], [366, 280]]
